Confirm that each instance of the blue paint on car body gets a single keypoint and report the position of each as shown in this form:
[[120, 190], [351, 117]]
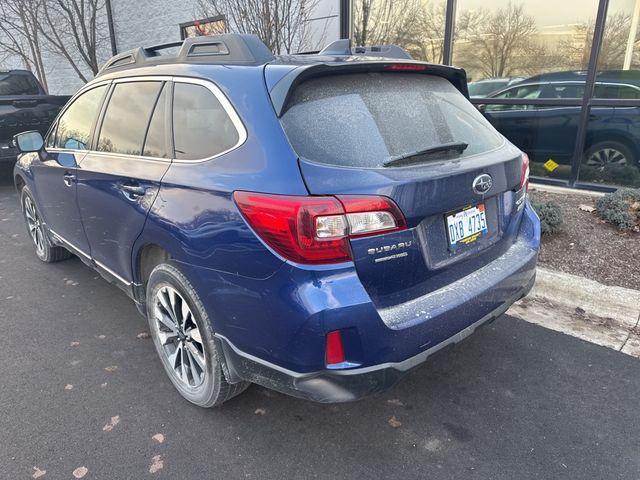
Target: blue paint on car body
[[396, 298]]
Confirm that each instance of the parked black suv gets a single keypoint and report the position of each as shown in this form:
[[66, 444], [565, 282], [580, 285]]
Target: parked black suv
[[24, 105]]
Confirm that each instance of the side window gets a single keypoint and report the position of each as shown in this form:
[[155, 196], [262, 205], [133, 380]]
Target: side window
[[127, 117], [616, 91], [201, 126], [74, 127], [155, 144]]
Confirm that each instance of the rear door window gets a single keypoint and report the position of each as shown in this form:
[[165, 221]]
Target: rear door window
[[362, 120], [127, 117], [18, 84], [201, 126], [604, 90]]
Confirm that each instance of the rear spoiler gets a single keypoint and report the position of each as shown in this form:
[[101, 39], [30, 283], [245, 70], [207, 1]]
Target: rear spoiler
[[282, 90]]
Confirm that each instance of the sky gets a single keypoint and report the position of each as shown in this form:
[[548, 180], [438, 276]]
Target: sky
[[553, 12]]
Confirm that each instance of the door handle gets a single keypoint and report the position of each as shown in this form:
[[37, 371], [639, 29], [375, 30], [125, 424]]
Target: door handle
[[68, 179], [133, 191]]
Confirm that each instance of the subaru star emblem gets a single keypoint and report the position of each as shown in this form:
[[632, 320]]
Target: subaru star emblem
[[482, 184]]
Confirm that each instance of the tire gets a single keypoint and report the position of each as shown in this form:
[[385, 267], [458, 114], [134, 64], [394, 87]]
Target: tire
[[605, 153], [45, 250], [184, 339]]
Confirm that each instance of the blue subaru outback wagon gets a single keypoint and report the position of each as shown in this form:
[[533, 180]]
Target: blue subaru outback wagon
[[317, 224]]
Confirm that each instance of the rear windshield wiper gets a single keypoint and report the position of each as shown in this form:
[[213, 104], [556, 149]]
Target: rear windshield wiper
[[412, 157]]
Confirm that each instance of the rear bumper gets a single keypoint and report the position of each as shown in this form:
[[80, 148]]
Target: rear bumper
[[272, 331], [331, 386]]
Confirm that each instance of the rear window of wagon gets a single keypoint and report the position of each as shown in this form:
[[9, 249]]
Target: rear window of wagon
[[362, 120]]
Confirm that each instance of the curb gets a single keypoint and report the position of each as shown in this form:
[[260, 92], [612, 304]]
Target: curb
[[601, 314], [541, 187]]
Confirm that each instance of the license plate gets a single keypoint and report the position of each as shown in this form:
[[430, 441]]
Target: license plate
[[467, 225]]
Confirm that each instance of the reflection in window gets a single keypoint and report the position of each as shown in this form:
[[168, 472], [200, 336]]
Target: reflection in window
[[74, 127], [154, 144], [611, 157], [505, 39], [415, 25], [201, 126], [127, 116], [206, 26]]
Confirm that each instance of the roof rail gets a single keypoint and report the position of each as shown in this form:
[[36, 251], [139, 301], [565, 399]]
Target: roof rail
[[343, 47], [223, 49]]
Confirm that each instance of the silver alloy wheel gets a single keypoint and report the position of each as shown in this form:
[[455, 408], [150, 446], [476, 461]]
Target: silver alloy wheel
[[606, 156], [36, 230], [179, 337]]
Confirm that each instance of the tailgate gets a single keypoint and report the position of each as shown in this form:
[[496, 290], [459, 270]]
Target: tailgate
[[345, 128]]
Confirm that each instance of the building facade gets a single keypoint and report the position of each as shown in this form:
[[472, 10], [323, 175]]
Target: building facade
[[153, 22]]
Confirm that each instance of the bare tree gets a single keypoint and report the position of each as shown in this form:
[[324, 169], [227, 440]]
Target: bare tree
[[283, 25], [75, 30], [19, 35], [497, 44], [578, 49], [431, 23], [378, 22]]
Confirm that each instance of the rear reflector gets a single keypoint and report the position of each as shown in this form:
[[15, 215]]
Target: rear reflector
[[317, 230], [334, 352]]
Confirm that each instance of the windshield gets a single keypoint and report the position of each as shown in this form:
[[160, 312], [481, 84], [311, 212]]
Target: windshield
[[363, 120], [17, 85]]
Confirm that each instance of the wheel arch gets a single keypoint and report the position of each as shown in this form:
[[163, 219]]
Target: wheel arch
[[148, 257], [145, 257], [19, 182]]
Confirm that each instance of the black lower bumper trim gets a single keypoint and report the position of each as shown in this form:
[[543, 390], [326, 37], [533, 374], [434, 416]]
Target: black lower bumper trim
[[330, 386]]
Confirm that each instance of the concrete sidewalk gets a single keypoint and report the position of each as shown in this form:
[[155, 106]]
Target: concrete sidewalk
[[591, 311]]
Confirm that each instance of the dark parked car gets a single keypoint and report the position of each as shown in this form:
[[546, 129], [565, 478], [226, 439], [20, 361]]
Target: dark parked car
[[316, 224], [23, 106], [613, 134]]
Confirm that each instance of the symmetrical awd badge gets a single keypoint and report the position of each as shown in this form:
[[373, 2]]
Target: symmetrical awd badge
[[482, 184]]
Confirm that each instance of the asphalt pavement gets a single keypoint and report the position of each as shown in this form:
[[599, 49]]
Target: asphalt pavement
[[81, 396]]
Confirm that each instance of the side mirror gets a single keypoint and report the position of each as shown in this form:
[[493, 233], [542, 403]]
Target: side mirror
[[27, 142]]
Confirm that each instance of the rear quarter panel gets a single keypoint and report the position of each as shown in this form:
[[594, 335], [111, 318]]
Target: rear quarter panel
[[194, 217]]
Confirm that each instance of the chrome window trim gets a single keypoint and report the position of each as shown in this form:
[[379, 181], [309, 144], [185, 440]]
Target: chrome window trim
[[208, 84], [111, 272], [88, 257]]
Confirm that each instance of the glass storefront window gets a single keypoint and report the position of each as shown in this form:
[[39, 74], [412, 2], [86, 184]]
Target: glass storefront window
[[415, 25], [502, 39], [538, 52], [547, 134], [612, 150]]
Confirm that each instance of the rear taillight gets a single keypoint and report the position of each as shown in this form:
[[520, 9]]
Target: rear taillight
[[524, 172], [317, 229]]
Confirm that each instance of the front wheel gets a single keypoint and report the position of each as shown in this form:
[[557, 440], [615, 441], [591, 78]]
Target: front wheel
[[183, 338], [44, 249]]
